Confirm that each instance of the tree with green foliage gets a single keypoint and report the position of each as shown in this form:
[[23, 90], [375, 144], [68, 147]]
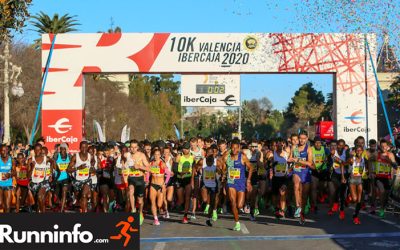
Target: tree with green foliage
[[13, 14], [45, 24], [394, 95]]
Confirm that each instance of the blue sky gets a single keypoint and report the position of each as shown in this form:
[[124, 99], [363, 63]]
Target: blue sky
[[196, 16]]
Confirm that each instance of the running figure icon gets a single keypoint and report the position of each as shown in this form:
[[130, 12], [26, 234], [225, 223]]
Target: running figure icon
[[126, 226]]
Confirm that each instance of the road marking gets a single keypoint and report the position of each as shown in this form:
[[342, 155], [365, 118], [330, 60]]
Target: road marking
[[276, 237], [244, 229], [160, 246], [389, 222]]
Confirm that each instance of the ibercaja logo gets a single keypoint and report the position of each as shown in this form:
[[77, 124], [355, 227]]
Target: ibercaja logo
[[69, 231]]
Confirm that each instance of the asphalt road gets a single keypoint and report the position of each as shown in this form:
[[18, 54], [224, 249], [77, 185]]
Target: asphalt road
[[320, 232]]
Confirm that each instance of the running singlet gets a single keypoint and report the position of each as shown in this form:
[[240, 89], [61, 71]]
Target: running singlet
[[336, 165], [22, 175], [5, 168], [41, 172], [209, 174], [319, 158], [93, 176], [383, 168], [62, 165], [82, 174], [236, 170], [185, 166], [281, 166], [197, 155], [302, 156], [357, 169]]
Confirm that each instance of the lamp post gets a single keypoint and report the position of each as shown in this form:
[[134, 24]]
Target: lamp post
[[16, 89]]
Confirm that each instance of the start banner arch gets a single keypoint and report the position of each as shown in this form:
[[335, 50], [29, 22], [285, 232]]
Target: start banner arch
[[344, 55]]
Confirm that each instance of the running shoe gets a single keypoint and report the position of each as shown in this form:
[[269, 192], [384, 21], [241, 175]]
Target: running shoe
[[193, 217], [356, 221], [111, 206], [341, 215], [297, 213], [247, 209], [307, 209], [166, 215], [141, 219], [208, 222], [237, 226], [214, 215], [381, 213], [220, 210], [335, 207], [156, 223], [302, 220], [241, 211], [256, 212], [185, 220], [206, 209]]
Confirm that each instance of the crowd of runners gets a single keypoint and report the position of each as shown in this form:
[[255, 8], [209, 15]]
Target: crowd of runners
[[291, 177]]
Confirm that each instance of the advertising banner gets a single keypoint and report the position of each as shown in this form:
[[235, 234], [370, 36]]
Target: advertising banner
[[210, 91]]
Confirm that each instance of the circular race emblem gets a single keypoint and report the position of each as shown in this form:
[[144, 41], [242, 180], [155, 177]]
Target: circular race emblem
[[250, 43]]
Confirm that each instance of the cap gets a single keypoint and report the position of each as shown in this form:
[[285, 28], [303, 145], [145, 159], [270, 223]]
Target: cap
[[186, 145], [64, 145]]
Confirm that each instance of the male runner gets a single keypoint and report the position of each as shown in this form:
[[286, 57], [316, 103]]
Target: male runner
[[6, 185], [62, 161], [236, 164], [138, 166]]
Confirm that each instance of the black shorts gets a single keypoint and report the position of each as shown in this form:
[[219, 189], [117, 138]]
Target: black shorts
[[105, 181], [322, 175], [384, 181], [183, 182], [277, 183], [63, 183], [171, 182], [139, 185], [211, 190], [78, 185]]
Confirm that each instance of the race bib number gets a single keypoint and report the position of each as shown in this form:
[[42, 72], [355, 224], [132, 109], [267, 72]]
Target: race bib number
[[134, 172], [357, 171], [209, 175], [39, 173], [234, 173], [84, 172], [3, 176], [63, 166], [155, 169], [280, 168], [336, 165], [384, 168], [261, 171], [48, 172], [22, 175]]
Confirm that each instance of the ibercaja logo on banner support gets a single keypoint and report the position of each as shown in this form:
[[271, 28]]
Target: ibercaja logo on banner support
[[69, 231]]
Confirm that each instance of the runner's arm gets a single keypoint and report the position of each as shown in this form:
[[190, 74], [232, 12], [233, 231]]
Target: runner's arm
[[249, 167], [71, 167]]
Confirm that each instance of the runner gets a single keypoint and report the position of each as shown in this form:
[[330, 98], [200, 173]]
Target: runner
[[81, 167], [198, 154], [222, 190], [319, 174], [356, 170], [158, 170], [6, 172], [372, 156], [41, 170], [236, 164], [338, 178], [62, 184], [138, 166], [21, 171], [386, 161], [184, 175], [169, 190], [209, 167], [258, 176], [121, 174], [105, 179], [94, 198], [302, 158], [279, 173]]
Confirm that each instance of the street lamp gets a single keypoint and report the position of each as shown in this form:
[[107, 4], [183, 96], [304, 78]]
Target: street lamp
[[16, 90]]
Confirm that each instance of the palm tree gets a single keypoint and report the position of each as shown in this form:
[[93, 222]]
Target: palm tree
[[44, 24]]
